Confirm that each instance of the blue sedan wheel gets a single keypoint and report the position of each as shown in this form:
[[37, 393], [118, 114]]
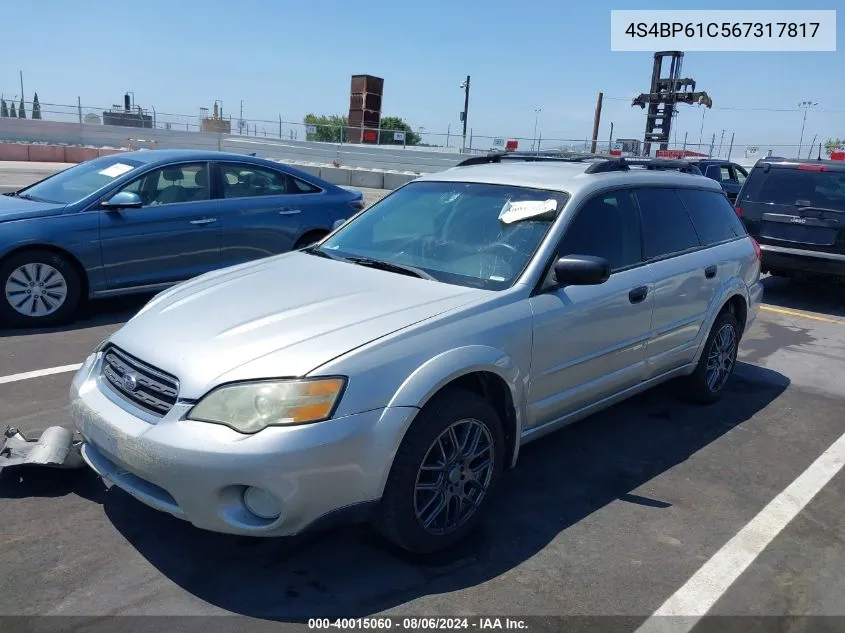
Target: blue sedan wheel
[[39, 288]]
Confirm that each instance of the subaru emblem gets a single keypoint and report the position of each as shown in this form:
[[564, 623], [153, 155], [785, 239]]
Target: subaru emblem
[[130, 382]]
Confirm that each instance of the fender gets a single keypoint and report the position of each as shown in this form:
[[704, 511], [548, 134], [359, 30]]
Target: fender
[[729, 289], [418, 388]]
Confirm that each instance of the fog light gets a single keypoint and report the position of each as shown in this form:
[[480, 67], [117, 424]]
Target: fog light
[[261, 503]]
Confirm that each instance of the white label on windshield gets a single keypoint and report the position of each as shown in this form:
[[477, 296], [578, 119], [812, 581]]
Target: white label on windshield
[[516, 211], [118, 169]]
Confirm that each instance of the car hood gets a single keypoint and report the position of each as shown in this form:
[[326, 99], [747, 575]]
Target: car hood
[[12, 208], [282, 316]]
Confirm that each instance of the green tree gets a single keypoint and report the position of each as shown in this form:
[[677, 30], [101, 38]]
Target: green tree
[[36, 107], [832, 144], [330, 129], [391, 124], [12, 113], [21, 110], [4, 109]]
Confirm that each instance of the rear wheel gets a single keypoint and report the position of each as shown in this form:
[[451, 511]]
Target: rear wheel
[[308, 239], [443, 473], [39, 288], [706, 384]]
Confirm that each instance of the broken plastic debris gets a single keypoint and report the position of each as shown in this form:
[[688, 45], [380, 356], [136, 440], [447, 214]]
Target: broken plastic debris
[[515, 211], [56, 448]]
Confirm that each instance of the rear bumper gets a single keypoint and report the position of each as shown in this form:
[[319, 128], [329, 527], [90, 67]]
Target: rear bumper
[[798, 261]]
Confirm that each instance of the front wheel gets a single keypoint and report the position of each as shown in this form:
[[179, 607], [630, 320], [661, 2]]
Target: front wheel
[[39, 288], [443, 473], [706, 384]]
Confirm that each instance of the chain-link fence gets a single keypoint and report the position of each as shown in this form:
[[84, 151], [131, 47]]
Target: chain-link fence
[[211, 129]]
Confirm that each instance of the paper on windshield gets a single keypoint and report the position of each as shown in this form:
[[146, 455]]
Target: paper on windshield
[[118, 169], [524, 209]]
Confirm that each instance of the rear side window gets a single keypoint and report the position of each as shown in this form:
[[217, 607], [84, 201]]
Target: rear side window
[[712, 215], [802, 188], [667, 228]]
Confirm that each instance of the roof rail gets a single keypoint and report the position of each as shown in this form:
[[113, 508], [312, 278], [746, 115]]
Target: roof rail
[[624, 163], [498, 157]]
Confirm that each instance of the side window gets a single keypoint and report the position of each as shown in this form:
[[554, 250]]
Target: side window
[[667, 228], [605, 226], [172, 184], [712, 215], [247, 181], [739, 174], [300, 186]]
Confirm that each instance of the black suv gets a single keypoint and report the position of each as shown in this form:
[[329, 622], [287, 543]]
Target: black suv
[[730, 175], [795, 209]]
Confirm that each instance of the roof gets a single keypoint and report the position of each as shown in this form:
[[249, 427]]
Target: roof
[[165, 155], [569, 177]]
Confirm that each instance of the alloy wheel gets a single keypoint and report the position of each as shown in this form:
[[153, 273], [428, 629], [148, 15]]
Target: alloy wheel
[[454, 477], [721, 359], [36, 289]]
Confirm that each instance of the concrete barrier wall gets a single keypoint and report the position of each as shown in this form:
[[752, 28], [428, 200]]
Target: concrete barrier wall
[[366, 178], [336, 175], [394, 180]]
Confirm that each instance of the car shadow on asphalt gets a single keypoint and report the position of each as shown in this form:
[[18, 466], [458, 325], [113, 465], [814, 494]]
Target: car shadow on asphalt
[[351, 572], [811, 296], [115, 310]]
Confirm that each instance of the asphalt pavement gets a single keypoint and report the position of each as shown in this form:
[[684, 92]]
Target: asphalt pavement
[[654, 502]]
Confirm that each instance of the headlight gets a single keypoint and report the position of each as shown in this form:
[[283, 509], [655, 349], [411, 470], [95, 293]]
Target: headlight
[[251, 406]]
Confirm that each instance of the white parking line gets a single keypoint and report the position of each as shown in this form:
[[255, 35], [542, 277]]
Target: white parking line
[[693, 600], [38, 373]]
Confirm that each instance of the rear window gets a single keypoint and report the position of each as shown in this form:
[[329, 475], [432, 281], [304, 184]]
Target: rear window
[[792, 186], [712, 215]]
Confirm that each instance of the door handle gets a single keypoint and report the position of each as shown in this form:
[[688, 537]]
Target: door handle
[[290, 211], [710, 272], [638, 295], [204, 221]]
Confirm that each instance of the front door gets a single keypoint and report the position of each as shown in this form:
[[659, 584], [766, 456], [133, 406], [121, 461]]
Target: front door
[[589, 341], [171, 238]]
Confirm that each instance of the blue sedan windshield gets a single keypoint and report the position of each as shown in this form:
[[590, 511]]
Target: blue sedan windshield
[[471, 234], [76, 183]]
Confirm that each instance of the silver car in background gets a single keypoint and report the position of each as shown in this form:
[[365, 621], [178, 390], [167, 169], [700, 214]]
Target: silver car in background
[[392, 371]]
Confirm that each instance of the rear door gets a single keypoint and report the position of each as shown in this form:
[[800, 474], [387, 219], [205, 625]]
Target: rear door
[[263, 211], [796, 206], [171, 238]]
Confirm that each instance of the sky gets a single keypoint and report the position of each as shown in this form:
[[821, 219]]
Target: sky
[[285, 59]]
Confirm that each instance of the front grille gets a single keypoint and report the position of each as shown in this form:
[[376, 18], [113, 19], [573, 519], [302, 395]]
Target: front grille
[[136, 382]]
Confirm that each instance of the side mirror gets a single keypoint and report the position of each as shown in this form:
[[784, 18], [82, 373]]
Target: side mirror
[[338, 224], [123, 200], [581, 270]]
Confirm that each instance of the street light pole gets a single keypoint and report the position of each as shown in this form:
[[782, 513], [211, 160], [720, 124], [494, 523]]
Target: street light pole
[[465, 86], [537, 112], [806, 105]]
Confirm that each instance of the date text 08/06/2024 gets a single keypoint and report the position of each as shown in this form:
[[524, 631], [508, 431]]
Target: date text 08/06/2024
[[418, 623]]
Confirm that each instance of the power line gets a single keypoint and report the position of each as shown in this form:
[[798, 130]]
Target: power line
[[739, 109]]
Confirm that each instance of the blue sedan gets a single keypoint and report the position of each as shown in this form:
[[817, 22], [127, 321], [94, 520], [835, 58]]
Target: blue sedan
[[139, 222]]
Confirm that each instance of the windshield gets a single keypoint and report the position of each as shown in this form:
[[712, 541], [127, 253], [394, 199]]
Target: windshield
[[470, 234], [76, 183]]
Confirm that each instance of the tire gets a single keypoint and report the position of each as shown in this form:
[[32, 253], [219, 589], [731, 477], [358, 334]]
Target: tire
[[463, 411], [308, 239], [698, 387], [28, 272]]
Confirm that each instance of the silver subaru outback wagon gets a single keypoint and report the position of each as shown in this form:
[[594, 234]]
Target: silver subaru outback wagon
[[392, 371]]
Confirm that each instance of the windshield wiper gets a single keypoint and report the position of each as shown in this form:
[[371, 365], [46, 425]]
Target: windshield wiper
[[391, 267], [28, 196], [319, 252]]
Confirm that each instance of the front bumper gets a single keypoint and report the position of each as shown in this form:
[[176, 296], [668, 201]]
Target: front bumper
[[199, 472]]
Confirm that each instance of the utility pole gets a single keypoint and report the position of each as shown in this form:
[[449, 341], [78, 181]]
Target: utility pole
[[537, 112], [241, 120], [804, 104], [465, 86], [610, 139], [701, 132], [721, 140], [731, 148], [22, 94], [596, 122]]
